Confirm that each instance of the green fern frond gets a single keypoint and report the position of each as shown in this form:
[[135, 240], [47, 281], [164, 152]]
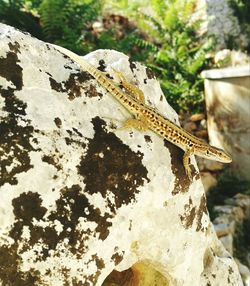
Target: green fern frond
[[13, 13]]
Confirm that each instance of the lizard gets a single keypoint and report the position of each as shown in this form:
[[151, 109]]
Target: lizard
[[146, 117]]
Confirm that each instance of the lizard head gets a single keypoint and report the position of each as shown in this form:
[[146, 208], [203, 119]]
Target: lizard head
[[214, 153]]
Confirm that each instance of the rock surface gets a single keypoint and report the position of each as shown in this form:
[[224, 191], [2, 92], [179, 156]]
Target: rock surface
[[79, 197], [232, 227]]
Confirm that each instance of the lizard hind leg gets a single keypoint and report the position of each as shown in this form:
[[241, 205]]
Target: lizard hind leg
[[130, 88]]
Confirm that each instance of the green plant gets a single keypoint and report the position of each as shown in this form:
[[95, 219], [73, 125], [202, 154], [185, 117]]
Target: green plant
[[63, 22], [167, 41], [67, 22], [13, 13], [181, 54], [176, 50], [241, 9]]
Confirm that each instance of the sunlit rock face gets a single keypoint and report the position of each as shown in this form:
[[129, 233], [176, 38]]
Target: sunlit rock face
[[81, 197]]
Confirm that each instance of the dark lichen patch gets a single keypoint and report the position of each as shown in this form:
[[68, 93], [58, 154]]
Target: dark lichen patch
[[52, 160], [202, 209], [147, 138], [188, 217], [92, 92], [150, 73], [76, 282], [191, 213], [111, 166], [99, 262], [230, 270], [125, 277], [65, 271], [182, 182], [10, 273], [72, 86], [94, 277], [73, 205], [130, 225], [102, 66], [75, 140], [49, 74], [14, 47], [58, 122], [68, 67], [132, 65], [77, 131], [74, 83], [15, 139], [56, 85], [117, 257], [15, 144], [10, 70], [26, 207]]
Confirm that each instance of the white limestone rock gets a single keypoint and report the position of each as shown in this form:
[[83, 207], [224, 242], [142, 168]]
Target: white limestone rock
[[80, 197], [208, 180]]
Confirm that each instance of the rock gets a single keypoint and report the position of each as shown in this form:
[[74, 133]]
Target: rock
[[241, 200], [208, 180], [197, 117], [222, 229], [81, 198], [190, 126], [248, 258], [245, 272], [209, 165], [230, 224], [227, 241], [216, 268], [203, 124], [226, 58], [201, 134], [229, 213]]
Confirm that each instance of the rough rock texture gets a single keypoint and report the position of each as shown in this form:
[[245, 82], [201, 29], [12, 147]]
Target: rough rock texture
[[79, 197], [232, 224]]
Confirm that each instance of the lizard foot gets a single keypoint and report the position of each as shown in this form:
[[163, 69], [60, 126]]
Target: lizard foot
[[135, 123]]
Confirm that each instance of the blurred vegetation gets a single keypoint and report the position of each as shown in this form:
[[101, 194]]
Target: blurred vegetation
[[241, 9], [168, 41], [241, 241], [227, 187]]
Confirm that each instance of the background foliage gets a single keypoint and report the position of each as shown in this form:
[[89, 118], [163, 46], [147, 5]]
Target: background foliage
[[241, 9], [167, 39]]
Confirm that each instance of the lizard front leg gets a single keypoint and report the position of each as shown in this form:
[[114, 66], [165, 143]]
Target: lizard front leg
[[136, 123], [186, 157], [139, 123]]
